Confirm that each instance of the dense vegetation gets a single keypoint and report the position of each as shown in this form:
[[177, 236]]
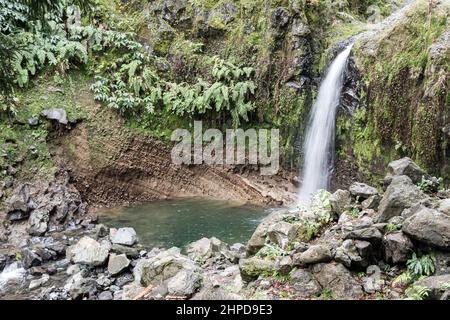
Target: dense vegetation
[[162, 64]]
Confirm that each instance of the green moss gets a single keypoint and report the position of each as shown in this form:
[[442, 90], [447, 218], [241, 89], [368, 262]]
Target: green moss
[[25, 147], [403, 119]]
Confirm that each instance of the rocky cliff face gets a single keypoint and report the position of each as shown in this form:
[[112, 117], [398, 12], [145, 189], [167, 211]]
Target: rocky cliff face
[[394, 103], [403, 92], [284, 41]]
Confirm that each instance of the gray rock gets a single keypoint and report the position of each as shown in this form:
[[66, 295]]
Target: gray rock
[[354, 253], [124, 279], [239, 250], [283, 265], [218, 293], [184, 283], [117, 263], [429, 226], [314, 254], [104, 281], [203, 249], [88, 251], [396, 247], [258, 239], [371, 203], [80, 287], [304, 283], [131, 290], [38, 221], [371, 234], [34, 284], [101, 230], [33, 121], [130, 252], [161, 267], [406, 167], [362, 190], [124, 236], [105, 295], [340, 201], [411, 211], [30, 258], [20, 204], [444, 206], [401, 194], [73, 269], [438, 285], [336, 278], [373, 284], [253, 267], [56, 114], [282, 233]]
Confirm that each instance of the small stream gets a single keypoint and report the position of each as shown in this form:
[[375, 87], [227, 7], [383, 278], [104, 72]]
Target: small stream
[[171, 223]]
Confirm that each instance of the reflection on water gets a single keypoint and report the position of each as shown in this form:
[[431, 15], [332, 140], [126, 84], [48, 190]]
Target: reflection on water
[[178, 222]]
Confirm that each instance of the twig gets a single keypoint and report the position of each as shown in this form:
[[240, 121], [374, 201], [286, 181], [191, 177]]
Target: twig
[[144, 292]]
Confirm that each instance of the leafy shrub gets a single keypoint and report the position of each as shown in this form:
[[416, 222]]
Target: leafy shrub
[[430, 185]]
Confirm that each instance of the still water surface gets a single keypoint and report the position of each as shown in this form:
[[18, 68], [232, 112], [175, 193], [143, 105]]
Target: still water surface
[[178, 222]]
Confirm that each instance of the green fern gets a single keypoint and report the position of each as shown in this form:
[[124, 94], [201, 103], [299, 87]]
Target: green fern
[[416, 292], [423, 266]]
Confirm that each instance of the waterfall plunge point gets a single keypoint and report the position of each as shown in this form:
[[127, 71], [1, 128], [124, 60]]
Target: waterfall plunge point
[[320, 135]]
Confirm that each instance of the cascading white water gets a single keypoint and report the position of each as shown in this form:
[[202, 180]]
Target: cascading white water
[[320, 135], [12, 273]]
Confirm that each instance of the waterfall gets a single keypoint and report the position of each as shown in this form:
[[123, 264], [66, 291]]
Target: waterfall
[[12, 273], [320, 136]]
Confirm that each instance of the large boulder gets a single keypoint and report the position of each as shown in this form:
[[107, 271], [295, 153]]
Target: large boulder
[[396, 247], [117, 263], [429, 226], [406, 167], [124, 236], [340, 201], [437, 285], [89, 252], [282, 233], [161, 267], [253, 267], [336, 278], [362, 190], [258, 239], [314, 254], [20, 203], [304, 283], [370, 234], [371, 203], [354, 253], [401, 194], [444, 206], [38, 221], [205, 248], [184, 283]]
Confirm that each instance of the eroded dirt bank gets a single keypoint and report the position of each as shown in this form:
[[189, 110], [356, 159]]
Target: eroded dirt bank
[[112, 165]]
